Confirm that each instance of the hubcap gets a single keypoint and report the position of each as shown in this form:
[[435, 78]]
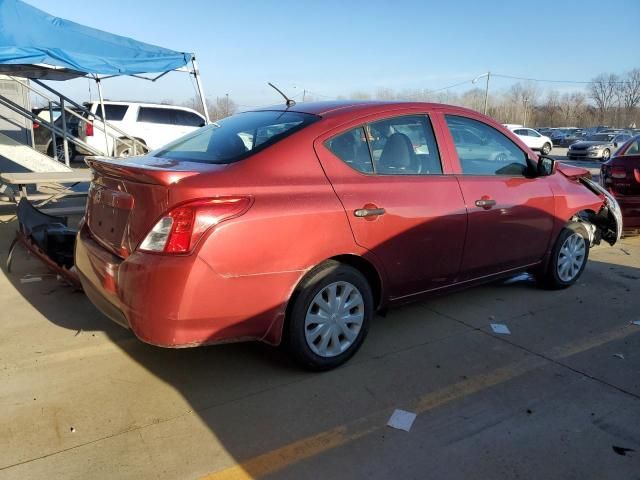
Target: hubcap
[[571, 257], [334, 319], [605, 155]]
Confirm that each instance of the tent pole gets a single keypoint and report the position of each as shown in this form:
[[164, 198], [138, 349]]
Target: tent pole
[[104, 117], [196, 73]]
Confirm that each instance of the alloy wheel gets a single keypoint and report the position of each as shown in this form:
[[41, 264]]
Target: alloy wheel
[[571, 257], [334, 319]]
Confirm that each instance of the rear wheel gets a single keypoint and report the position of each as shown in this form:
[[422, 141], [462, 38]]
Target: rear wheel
[[124, 150], [329, 317], [546, 148], [60, 151], [568, 258]]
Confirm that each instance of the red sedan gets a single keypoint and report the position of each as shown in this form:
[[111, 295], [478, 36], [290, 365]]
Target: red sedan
[[621, 176], [294, 225]]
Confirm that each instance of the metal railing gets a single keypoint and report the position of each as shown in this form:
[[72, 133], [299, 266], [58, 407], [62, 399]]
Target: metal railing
[[84, 115]]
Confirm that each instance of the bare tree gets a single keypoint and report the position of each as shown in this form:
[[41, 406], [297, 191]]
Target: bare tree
[[221, 108], [603, 91], [550, 107], [630, 94], [384, 93]]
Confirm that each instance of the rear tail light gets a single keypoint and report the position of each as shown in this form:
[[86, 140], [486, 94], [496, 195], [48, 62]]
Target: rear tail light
[[636, 173], [36, 125], [88, 130], [618, 172], [180, 229]]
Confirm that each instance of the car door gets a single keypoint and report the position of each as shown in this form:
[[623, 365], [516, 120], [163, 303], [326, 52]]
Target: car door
[[510, 212], [400, 203], [156, 126], [535, 140], [523, 133]]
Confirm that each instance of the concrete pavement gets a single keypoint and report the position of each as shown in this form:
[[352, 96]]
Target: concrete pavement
[[82, 398]]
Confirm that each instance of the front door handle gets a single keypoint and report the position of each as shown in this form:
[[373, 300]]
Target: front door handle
[[485, 203], [369, 212]]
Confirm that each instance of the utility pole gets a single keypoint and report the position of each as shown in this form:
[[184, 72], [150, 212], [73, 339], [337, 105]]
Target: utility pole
[[226, 108], [524, 123], [486, 93], [304, 94], [486, 90]]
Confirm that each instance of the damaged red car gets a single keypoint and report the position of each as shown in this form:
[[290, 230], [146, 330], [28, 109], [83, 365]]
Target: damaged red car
[[293, 225]]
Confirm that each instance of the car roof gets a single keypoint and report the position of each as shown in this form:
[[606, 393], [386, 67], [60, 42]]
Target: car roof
[[361, 107], [142, 104]]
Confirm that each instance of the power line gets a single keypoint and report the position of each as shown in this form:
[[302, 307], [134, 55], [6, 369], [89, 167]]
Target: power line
[[582, 82]]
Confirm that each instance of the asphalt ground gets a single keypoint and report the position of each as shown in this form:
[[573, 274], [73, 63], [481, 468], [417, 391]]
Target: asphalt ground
[[559, 397]]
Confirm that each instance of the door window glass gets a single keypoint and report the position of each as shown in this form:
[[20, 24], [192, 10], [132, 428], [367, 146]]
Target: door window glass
[[188, 119], [404, 146], [164, 116], [533, 133], [483, 150], [351, 147]]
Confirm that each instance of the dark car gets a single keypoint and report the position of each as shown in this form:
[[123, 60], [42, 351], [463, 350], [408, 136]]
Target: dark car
[[331, 211], [571, 136], [621, 176]]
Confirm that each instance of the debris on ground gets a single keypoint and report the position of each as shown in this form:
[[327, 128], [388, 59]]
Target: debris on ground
[[619, 355], [73, 429], [625, 251], [622, 450], [29, 279], [500, 328], [401, 420]]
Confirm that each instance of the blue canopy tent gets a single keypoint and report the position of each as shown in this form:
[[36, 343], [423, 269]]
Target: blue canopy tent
[[34, 44]]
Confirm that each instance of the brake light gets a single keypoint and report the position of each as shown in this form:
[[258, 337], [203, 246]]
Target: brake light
[[88, 129], [180, 229], [36, 125], [618, 172]]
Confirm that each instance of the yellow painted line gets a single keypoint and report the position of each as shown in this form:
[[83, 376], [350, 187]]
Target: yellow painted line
[[292, 453]]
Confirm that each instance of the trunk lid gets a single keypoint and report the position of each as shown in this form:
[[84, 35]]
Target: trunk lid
[[126, 198], [572, 172]]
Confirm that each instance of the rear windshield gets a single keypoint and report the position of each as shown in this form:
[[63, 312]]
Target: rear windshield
[[236, 137]]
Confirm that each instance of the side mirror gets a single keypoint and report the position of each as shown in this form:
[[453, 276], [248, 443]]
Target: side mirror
[[546, 166]]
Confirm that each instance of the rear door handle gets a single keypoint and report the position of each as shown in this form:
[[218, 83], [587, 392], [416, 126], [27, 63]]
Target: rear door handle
[[485, 203], [369, 212]]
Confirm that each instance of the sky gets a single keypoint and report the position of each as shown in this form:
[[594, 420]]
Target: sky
[[338, 47]]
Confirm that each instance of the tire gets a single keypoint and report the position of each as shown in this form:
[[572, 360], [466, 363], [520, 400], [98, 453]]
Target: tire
[[323, 345], [568, 258], [546, 148], [123, 150], [60, 151], [606, 155]]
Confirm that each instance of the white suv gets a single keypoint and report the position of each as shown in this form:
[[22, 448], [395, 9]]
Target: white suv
[[533, 139], [153, 125]]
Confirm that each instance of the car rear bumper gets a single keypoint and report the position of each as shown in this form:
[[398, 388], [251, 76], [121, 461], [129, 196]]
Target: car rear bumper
[[179, 301], [630, 207]]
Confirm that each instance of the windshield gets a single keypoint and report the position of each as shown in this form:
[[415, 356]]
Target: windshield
[[601, 137], [236, 137]]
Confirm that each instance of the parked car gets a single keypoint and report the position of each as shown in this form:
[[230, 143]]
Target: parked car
[[153, 125], [573, 136], [533, 139], [299, 239], [621, 177], [599, 146], [43, 141]]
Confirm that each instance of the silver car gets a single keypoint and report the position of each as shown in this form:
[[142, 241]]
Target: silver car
[[599, 146]]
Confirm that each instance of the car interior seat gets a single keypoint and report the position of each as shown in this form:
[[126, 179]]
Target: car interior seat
[[398, 156]]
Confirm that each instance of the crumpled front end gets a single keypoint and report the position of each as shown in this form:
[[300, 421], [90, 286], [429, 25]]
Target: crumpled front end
[[608, 221]]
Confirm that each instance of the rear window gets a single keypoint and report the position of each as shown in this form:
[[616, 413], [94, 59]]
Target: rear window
[[236, 137], [113, 112]]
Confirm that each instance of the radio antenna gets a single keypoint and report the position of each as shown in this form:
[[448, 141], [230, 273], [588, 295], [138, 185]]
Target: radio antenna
[[289, 101]]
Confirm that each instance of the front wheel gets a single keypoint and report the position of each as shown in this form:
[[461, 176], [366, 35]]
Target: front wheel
[[568, 258], [546, 148], [329, 317], [606, 154]]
